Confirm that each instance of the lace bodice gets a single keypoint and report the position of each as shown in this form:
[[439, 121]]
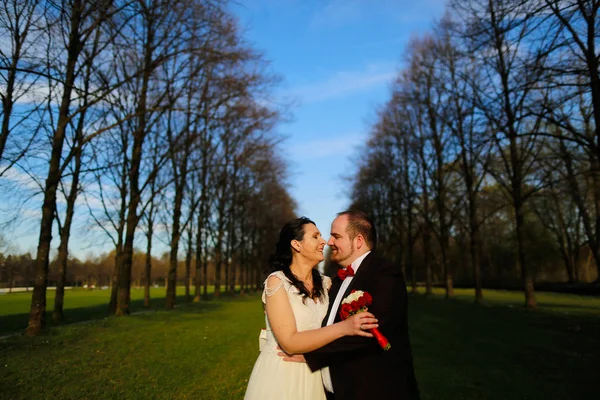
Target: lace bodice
[[308, 314]]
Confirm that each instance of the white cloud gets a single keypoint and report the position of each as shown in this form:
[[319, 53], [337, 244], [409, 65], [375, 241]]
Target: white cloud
[[22, 180], [328, 146], [344, 83], [422, 11], [337, 13]]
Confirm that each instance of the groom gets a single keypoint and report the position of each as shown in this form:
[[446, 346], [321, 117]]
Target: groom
[[355, 367]]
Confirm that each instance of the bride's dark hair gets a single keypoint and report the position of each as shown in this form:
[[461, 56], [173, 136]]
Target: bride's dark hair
[[282, 258]]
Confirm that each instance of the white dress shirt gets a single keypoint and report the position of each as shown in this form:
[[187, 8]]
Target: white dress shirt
[[336, 304]]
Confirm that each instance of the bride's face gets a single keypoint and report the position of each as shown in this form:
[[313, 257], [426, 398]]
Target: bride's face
[[312, 244]]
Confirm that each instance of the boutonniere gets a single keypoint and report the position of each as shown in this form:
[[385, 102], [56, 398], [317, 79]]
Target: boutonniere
[[358, 301]]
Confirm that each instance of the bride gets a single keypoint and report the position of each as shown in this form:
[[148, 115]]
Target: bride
[[296, 301]]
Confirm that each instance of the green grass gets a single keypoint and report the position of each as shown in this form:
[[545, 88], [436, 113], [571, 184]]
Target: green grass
[[197, 351], [80, 305], [501, 350], [547, 302], [207, 350]]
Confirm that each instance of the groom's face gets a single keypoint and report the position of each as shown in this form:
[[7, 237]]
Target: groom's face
[[342, 248]]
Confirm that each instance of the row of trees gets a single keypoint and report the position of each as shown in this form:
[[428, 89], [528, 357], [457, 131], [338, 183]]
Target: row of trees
[[486, 157], [18, 271], [155, 116]]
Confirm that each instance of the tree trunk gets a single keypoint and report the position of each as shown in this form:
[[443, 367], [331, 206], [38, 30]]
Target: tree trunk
[[586, 219], [593, 67], [243, 248], [230, 246], [596, 244], [257, 280], [440, 197], [124, 269], [114, 282], [114, 279], [410, 259], [426, 221], [198, 277], [218, 263], [427, 262], [205, 276], [63, 251], [474, 239], [188, 265], [526, 275], [175, 236], [474, 251], [125, 266], [37, 315], [219, 242], [139, 135], [227, 264], [148, 269]]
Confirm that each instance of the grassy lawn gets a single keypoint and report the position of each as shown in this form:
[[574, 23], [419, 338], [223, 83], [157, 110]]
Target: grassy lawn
[[206, 351], [80, 305], [503, 351]]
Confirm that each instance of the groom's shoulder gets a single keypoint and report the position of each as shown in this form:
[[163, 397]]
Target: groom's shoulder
[[376, 258], [382, 264]]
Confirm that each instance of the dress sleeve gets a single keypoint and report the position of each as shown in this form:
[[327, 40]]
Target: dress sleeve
[[271, 290]]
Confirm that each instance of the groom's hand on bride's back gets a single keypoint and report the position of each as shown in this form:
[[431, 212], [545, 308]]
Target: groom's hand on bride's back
[[299, 358]]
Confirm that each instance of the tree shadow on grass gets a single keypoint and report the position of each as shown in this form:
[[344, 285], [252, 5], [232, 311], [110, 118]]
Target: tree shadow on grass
[[576, 307], [15, 324], [496, 352]]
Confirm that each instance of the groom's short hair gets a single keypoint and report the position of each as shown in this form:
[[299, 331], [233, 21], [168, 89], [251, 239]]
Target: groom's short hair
[[359, 223]]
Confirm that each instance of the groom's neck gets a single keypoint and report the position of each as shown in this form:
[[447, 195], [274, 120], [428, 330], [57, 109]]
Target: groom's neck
[[357, 255]]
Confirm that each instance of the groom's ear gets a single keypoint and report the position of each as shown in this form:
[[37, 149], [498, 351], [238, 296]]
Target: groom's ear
[[360, 241]]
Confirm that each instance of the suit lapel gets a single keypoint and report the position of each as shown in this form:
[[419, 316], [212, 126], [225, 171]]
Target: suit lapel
[[362, 270], [355, 284]]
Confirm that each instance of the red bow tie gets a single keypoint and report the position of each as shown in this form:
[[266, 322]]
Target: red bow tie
[[344, 273]]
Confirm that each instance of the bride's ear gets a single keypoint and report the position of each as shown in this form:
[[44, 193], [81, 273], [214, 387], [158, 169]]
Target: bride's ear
[[295, 245]]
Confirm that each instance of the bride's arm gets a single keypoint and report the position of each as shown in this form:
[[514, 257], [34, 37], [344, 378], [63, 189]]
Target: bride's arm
[[283, 324]]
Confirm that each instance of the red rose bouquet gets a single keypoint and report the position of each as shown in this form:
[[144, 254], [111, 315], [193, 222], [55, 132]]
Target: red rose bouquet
[[357, 302]]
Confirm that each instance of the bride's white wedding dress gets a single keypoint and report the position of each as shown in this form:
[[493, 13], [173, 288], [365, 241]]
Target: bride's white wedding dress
[[273, 378]]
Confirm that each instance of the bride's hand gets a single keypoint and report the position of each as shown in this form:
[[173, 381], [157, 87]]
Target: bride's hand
[[359, 324]]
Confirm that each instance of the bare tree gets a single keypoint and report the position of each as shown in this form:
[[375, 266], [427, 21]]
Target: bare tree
[[558, 214], [81, 21], [572, 76], [459, 115], [21, 27], [157, 29], [500, 36], [430, 92], [151, 207]]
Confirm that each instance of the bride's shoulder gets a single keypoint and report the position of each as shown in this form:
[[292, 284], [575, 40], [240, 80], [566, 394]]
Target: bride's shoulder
[[277, 278], [277, 274], [273, 283]]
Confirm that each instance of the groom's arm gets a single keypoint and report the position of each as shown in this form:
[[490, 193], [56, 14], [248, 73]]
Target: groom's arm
[[389, 307]]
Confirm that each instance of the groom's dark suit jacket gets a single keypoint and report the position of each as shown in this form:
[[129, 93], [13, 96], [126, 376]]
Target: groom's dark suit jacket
[[359, 368]]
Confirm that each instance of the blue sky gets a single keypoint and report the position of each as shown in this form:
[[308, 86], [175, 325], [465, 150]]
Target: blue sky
[[337, 59]]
